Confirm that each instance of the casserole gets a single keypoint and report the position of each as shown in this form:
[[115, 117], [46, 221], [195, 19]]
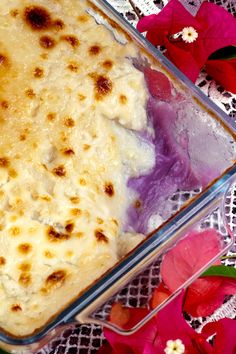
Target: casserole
[[222, 138]]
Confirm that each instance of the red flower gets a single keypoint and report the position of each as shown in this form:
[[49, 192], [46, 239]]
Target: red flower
[[224, 72], [168, 324], [216, 28], [205, 295], [225, 341]]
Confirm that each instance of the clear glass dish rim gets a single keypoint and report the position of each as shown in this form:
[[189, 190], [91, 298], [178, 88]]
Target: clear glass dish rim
[[66, 317]]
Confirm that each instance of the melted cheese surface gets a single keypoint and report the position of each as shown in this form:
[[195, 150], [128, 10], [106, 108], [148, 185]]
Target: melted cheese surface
[[71, 107]]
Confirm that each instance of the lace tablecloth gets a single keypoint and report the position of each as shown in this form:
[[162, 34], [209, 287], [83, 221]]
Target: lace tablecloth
[[86, 339]]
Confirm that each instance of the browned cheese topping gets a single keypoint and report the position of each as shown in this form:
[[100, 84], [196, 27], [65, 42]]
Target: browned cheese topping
[[70, 102]]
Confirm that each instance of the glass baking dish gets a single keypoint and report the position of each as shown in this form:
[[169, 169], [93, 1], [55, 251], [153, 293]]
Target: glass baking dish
[[186, 209], [213, 221]]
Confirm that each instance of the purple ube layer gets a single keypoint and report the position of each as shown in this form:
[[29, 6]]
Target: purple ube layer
[[184, 161]]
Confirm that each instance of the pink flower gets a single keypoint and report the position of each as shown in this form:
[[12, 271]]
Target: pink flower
[[134, 343], [186, 258], [168, 325], [204, 295], [224, 72], [214, 28], [225, 341]]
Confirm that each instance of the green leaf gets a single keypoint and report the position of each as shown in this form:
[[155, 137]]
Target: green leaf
[[224, 53], [220, 271], [3, 352]]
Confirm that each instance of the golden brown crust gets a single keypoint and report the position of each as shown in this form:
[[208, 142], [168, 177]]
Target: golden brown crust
[[68, 98]]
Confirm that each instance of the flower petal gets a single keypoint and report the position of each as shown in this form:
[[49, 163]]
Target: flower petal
[[133, 343], [168, 324], [183, 59], [160, 294], [172, 19], [205, 295], [224, 72], [201, 298], [219, 31], [225, 340], [172, 325], [119, 315], [188, 257]]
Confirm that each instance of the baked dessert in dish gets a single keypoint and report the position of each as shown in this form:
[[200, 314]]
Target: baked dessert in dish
[[70, 101], [85, 164]]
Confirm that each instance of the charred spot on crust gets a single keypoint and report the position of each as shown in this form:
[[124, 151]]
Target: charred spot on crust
[[4, 104], [16, 308], [38, 73], [69, 122], [115, 222], [12, 173], [123, 99], [48, 254], [24, 248], [30, 93], [107, 64], [51, 116], [46, 198], [37, 17], [2, 261], [68, 152], [82, 182], [100, 236], [81, 97], [109, 189], [14, 231], [59, 171], [56, 278], [75, 200], [99, 221], [4, 162], [44, 56], [58, 24], [75, 211], [103, 86], [54, 235], [69, 227], [3, 59], [83, 18], [79, 234], [25, 279], [95, 50], [25, 267], [22, 137], [86, 147], [73, 67], [14, 12], [69, 254], [71, 39], [47, 42], [63, 137]]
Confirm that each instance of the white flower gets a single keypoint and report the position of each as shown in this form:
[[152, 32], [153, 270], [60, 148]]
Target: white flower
[[174, 347], [189, 34]]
